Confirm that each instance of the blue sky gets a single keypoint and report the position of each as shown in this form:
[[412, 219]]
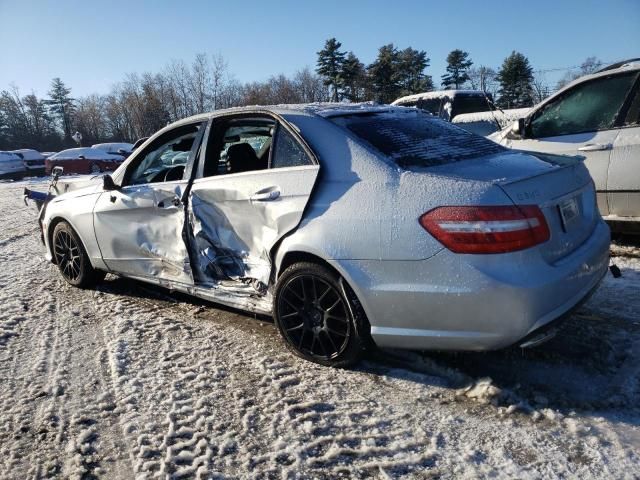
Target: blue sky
[[92, 45]]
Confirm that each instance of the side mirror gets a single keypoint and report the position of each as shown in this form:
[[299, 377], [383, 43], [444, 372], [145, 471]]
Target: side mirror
[[57, 172], [108, 184], [517, 128]]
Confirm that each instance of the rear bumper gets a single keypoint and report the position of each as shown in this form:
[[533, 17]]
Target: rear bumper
[[474, 302]]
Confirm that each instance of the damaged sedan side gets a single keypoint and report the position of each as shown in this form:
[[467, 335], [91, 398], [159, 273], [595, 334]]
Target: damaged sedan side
[[349, 224]]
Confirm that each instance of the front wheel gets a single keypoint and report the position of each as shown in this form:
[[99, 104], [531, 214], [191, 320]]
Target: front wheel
[[72, 259], [319, 316]]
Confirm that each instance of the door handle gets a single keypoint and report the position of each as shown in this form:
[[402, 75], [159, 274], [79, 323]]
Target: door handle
[[595, 147], [267, 196]]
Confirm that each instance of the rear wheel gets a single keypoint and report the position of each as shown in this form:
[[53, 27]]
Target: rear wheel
[[72, 259], [319, 316]]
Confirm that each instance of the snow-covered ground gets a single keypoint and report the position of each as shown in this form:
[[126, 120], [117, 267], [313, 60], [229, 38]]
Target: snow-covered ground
[[131, 381]]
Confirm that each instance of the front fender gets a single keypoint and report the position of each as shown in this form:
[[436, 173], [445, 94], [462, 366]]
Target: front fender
[[77, 210]]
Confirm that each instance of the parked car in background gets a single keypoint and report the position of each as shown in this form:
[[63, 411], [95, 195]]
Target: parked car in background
[[33, 161], [446, 104], [11, 165], [347, 223], [114, 148], [84, 160], [472, 110], [597, 117], [486, 123]]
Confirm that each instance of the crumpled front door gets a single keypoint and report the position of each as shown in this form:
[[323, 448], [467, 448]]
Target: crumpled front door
[[140, 231]]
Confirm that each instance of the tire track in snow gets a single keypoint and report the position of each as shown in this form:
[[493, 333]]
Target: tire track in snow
[[155, 388]]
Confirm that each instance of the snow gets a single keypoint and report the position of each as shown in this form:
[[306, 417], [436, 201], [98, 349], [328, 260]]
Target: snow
[[9, 157], [29, 154], [435, 94], [504, 117], [131, 381], [113, 147], [89, 153]]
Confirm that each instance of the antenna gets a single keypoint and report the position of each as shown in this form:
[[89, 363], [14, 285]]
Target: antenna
[[493, 108]]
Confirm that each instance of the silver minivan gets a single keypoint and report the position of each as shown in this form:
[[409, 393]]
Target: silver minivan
[[598, 117]]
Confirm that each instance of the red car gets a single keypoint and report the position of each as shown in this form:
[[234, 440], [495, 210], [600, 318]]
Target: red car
[[84, 160]]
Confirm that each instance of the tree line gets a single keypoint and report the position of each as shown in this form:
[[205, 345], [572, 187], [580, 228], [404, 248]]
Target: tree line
[[141, 104]]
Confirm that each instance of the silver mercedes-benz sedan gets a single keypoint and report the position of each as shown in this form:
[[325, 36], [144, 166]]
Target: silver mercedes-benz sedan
[[353, 225]]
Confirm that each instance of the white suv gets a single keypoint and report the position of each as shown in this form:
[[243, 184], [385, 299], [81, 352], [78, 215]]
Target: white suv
[[598, 117]]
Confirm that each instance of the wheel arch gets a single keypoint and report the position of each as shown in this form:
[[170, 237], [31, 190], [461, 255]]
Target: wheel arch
[[291, 257], [51, 227], [284, 258]]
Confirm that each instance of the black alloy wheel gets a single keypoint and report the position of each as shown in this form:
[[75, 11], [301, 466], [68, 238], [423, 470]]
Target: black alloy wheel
[[317, 317], [67, 253], [72, 259]]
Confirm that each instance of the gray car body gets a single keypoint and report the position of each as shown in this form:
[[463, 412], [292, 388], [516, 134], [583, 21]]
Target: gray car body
[[360, 216]]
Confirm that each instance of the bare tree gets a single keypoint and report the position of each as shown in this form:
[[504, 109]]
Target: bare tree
[[219, 79], [483, 78], [541, 88], [200, 84], [310, 87], [589, 66]]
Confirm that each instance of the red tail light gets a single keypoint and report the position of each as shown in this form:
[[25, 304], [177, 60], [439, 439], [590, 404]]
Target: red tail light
[[494, 229]]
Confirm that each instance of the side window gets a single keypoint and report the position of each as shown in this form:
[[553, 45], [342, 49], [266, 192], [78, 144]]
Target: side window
[[431, 105], [587, 107], [166, 158], [288, 152], [633, 114], [240, 145]]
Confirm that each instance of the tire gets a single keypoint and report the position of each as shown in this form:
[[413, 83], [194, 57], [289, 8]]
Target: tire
[[95, 169], [72, 259], [319, 316]]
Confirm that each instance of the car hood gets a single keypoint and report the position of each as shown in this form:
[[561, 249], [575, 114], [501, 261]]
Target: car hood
[[70, 184]]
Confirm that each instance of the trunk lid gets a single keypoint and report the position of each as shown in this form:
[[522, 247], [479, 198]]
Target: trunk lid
[[559, 185]]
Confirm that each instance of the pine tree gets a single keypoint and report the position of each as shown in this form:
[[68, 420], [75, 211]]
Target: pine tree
[[330, 63], [411, 66], [61, 106], [383, 75], [353, 77], [516, 82], [458, 63]]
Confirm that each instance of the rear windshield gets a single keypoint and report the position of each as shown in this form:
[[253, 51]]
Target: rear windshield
[[469, 104], [413, 138]]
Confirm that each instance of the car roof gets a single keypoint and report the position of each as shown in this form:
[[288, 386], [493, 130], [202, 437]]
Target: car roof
[[29, 154], [103, 146], [93, 153], [9, 156], [322, 109]]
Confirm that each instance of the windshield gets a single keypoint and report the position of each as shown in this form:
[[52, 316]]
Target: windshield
[[415, 138]]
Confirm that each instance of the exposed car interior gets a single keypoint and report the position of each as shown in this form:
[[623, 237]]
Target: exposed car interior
[[250, 144], [239, 145], [165, 159]]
